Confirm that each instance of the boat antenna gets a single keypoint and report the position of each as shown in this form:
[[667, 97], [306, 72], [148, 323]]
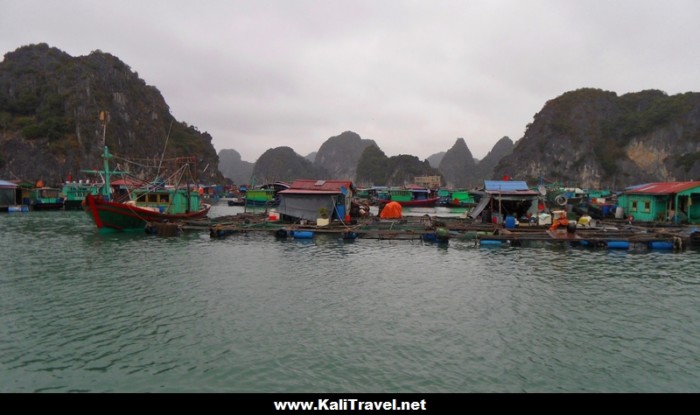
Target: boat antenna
[[164, 148]]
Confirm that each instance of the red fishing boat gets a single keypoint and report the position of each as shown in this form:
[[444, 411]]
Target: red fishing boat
[[412, 197], [136, 207]]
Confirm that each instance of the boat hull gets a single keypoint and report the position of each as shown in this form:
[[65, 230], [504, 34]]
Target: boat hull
[[48, 206], [415, 203], [252, 202], [73, 204], [123, 217]]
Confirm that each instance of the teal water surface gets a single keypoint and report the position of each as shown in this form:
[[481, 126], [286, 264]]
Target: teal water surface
[[87, 312]]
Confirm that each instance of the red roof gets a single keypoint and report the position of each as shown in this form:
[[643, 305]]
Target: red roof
[[663, 188], [315, 186]]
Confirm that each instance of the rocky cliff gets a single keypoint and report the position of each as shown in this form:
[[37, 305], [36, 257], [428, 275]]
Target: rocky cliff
[[49, 116], [283, 164], [233, 168], [485, 167], [458, 166], [596, 139], [376, 169], [339, 155]]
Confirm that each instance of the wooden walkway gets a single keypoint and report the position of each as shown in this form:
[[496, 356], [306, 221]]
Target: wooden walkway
[[436, 229]]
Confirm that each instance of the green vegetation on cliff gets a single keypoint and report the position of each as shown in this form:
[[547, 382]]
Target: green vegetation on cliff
[[49, 116]]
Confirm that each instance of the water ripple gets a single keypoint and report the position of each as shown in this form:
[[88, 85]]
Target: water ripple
[[85, 312]]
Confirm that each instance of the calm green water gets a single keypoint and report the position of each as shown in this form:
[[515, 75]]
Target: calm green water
[[84, 312]]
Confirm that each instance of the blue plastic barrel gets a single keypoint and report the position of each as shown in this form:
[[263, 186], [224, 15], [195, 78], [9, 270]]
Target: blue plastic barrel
[[430, 237], [489, 242], [302, 234], [618, 244], [660, 245], [510, 222]]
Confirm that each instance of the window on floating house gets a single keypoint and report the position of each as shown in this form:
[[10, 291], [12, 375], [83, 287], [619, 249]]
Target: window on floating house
[[634, 206], [647, 206]]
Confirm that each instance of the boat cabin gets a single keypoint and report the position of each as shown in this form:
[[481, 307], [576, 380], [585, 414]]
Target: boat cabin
[[46, 198], [265, 195], [167, 199]]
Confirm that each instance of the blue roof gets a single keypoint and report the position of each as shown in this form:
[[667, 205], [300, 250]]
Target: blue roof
[[505, 185]]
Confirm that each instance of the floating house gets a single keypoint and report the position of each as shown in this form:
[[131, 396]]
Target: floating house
[[676, 202], [10, 196], [311, 199], [503, 198]]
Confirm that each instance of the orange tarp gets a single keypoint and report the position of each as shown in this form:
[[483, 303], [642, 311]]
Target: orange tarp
[[392, 210]]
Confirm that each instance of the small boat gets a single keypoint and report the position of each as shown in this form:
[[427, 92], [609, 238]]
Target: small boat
[[46, 198], [154, 203], [236, 201], [456, 198], [265, 195]]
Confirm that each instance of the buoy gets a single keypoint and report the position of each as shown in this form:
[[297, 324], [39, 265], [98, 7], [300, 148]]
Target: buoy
[[442, 234], [302, 234]]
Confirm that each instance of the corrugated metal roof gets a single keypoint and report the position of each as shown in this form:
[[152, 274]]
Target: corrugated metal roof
[[505, 185], [663, 188], [508, 187], [7, 184]]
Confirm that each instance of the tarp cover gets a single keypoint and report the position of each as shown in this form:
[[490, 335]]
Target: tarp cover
[[305, 206], [392, 210]]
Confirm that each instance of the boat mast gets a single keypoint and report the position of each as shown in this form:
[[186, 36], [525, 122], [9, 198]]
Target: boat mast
[[106, 156], [104, 118]]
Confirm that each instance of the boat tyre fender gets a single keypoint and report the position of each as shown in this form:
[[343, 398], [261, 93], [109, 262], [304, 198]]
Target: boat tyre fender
[[560, 200], [281, 233]]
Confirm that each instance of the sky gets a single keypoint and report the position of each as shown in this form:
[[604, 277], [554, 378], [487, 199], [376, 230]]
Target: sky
[[414, 76]]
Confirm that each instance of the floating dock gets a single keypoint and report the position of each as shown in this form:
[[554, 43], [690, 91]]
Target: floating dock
[[595, 238], [441, 230]]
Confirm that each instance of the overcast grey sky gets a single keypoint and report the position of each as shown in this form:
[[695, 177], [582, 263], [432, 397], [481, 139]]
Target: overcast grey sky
[[412, 75]]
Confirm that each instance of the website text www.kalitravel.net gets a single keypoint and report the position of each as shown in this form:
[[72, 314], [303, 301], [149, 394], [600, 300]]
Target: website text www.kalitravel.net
[[349, 404]]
